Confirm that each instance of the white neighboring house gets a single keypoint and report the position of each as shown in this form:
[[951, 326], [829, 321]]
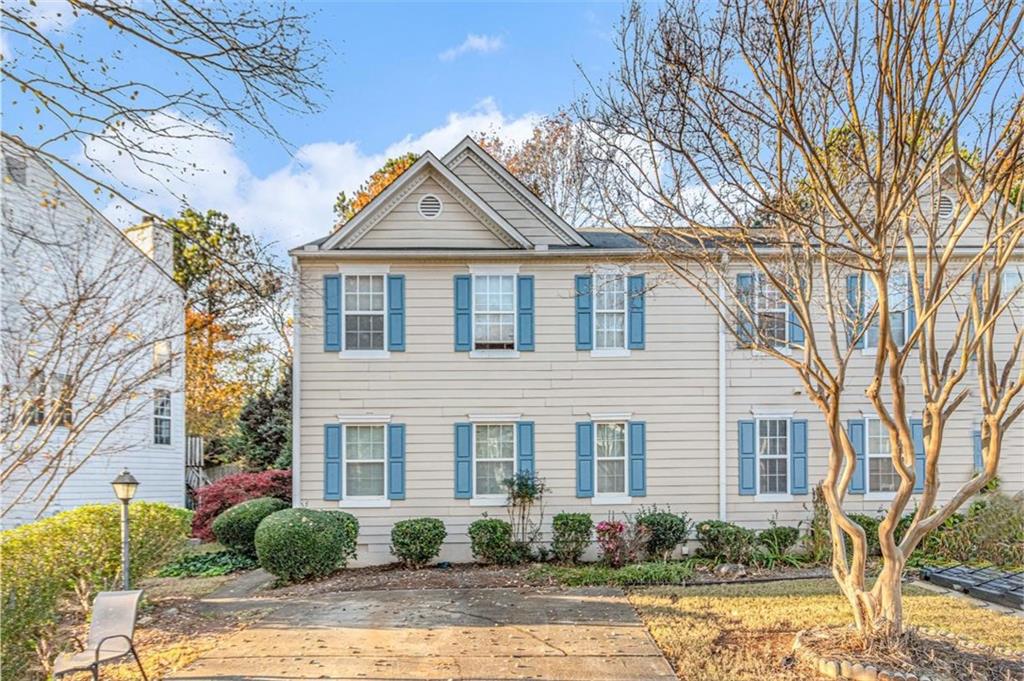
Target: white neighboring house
[[92, 334]]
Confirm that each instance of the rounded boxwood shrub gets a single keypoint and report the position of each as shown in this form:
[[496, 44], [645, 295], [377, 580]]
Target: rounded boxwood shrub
[[490, 539], [725, 542], [666, 531], [570, 536], [418, 541], [235, 528], [300, 543]]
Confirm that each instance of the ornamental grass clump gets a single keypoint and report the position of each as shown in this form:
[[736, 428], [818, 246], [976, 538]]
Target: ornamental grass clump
[[418, 541]]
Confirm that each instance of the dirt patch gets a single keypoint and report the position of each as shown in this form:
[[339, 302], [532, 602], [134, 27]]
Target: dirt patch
[[386, 577]]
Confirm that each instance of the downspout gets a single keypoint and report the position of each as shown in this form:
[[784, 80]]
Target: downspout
[[722, 403], [296, 385]]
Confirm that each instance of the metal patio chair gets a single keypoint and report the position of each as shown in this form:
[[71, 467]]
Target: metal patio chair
[[110, 635]]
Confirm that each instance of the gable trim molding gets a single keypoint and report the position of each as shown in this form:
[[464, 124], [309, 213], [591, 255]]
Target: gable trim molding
[[406, 183]]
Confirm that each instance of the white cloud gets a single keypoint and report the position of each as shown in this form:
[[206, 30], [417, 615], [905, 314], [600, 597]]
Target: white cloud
[[294, 203], [481, 44]]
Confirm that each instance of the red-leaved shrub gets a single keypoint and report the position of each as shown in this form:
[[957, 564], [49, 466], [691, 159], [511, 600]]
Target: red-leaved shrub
[[214, 499]]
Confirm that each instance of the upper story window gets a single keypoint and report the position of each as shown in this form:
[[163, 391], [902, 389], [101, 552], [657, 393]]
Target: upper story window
[[364, 311], [162, 417], [609, 311], [15, 168], [1013, 278], [494, 312], [494, 457], [900, 301], [610, 453], [770, 311], [882, 475], [162, 357], [54, 394], [773, 456], [365, 461]]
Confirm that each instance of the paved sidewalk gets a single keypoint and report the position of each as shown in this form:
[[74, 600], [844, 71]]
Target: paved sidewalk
[[566, 634]]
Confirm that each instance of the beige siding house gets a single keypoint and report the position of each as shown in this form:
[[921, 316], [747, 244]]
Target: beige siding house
[[457, 330]]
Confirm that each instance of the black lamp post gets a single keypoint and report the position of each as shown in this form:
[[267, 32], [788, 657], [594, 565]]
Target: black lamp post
[[124, 487]]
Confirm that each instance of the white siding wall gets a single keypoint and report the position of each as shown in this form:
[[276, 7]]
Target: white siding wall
[[31, 272]]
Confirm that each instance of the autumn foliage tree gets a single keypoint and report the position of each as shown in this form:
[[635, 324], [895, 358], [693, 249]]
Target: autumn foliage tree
[[345, 208]]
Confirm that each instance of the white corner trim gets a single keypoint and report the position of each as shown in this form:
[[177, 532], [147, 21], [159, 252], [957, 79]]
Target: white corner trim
[[508, 268], [364, 418], [610, 352], [494, 418], [493, 354], [611, 416], [610, 500], [488, 501], [296, 387], [773, 498], [345, 268], [374, 502]]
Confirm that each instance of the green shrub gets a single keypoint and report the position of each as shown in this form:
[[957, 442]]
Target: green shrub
[[570, 536], [666, 531], [418, 541], [235, 528], [300, 543], [671, 572], [817, 543], [725, 542], [73, 555], [208, 564], [991, 531], [779, 539], [490, 539], [870, 525], [652, 573]]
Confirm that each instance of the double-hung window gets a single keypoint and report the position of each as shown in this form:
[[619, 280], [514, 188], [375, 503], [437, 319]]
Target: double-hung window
[[773, 456], [364, 309], [162, 357], [610, 455], [770, 311], [494, 457], [365, 461], [900, 300], [882, 476], [609, 312], [162, 418], [494, 312]]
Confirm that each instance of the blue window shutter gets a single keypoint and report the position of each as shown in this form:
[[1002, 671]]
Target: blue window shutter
[[396, 312], [463, 460], [332, 462], [332, 313], [917, 436], [979, 462], [463, 313], [855, 431], [798, 457], [524, 444], [911, 309], [748, 459], [637, 459], [744, 325], [396, 461], [855, 308], [584, 312], [636, 290], [524, 312], [584, 459]]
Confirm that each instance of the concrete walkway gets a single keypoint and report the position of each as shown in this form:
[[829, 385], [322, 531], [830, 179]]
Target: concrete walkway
[[564, 634]]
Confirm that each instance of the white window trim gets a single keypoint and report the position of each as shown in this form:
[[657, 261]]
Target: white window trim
[[360, 501], [613, 498], [169, 419], [872, 351], [870, 494], [492, 499], [357, 271], [359, 419], [493, 271], [617, 417], [773, 496], [495, 419], [624, 351], [785, 347]]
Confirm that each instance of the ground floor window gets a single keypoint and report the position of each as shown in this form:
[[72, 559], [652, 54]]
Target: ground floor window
[[365, 460], [882, 476], [494, 456], [610, 452], [773, 456]]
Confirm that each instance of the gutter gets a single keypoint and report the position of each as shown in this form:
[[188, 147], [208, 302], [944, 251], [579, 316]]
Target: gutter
[[510, 254], [722, 404]]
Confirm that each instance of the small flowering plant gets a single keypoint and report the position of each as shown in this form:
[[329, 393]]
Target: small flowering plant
[[621, 542]]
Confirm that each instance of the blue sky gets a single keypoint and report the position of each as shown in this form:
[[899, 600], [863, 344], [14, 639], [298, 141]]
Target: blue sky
[[403, 76]]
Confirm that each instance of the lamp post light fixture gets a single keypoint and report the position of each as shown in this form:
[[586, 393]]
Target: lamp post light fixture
[[124, 488]]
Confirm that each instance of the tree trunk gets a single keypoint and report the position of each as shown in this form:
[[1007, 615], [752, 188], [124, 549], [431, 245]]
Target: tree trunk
[[878, 613]]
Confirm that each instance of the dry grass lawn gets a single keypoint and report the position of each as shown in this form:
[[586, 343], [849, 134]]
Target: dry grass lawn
[[741, 632]]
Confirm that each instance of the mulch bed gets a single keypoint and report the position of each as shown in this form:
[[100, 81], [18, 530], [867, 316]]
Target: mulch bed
[[941, 659]]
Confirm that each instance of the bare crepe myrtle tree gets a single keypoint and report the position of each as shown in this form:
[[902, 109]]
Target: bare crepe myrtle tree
[[84, 347], [830, 176]]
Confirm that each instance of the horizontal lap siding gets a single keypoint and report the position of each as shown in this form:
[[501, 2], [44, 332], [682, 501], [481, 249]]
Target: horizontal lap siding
[[429, 387]]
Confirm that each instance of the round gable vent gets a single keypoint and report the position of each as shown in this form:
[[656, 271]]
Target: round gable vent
[[430, 206], [945, 207]]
